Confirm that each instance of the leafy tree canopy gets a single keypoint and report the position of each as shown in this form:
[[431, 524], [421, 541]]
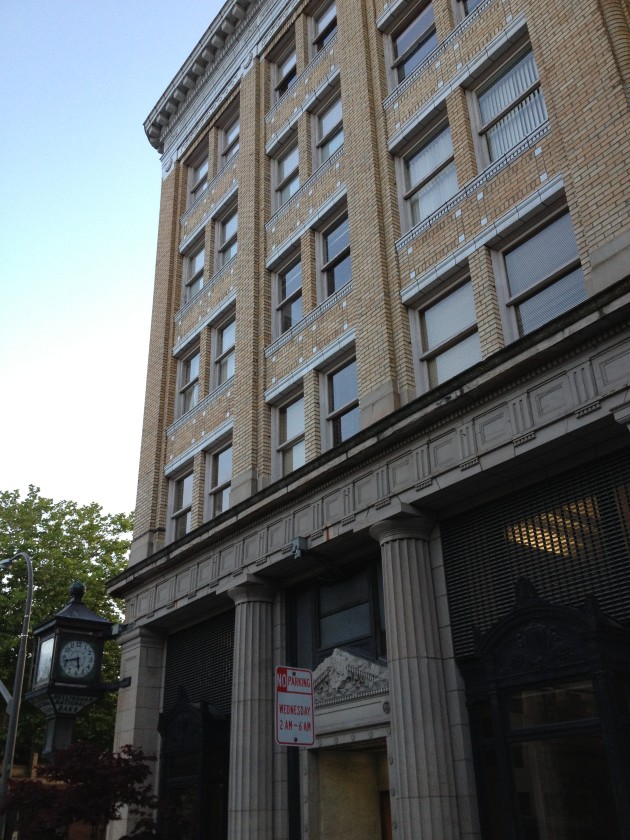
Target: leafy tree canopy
[[67, 542], [91, 788]]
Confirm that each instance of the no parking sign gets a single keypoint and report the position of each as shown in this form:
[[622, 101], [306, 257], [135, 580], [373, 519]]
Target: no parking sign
[[295, 722]]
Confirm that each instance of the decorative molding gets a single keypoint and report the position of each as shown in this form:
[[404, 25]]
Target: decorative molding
[[318, 360], [475, 186], [309, 319], [211, 316], [516, 216], [343, 676], [303, 191]]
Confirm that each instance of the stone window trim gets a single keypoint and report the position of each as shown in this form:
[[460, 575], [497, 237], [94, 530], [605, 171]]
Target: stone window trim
[[426, 186], [180, 503], [492, 235], [217, 314], [183, 461], [334, 205], [283, 62], [564, 269], [218, 478], [328, 134], [198, 173], [304, 189], [226, 236], [302, 83], [229, 138], [188, 375], [309, 319], [334, 254], [287, 294], [440, 331], [223, 349], [323, 24], [410, 40], [466, 77], [319, 360], [518, 113], [285, 173], [288, 430], [194, 269], [339, 415]]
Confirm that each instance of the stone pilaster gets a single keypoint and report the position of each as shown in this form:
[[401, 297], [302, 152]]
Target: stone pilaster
[[422, 771], [622, 414], [142, 659], [250, 805]]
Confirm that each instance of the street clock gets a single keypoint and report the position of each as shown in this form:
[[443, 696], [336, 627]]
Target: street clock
[[67, 667]]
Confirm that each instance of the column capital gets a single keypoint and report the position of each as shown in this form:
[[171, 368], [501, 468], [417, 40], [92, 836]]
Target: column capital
[[418, 526], [252, 591]]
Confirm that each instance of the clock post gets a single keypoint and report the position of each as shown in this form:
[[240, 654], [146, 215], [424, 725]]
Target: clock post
[[67, 667]]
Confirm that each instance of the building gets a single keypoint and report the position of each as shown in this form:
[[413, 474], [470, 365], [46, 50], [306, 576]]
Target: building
[[387, 426]]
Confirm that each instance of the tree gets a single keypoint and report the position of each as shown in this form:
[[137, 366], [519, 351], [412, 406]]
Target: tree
[[67, 542], [91, 787]]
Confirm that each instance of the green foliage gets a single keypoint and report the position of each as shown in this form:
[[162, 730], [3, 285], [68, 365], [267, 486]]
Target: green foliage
[[91, 787], [67, 542]]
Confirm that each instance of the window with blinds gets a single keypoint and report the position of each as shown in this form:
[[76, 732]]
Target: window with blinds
[[511, 106]]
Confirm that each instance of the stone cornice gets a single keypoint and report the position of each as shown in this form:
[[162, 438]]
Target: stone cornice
[[239, 33]]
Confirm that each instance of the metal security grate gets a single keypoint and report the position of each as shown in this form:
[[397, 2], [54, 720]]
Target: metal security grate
[[200, 659], [570, 536]]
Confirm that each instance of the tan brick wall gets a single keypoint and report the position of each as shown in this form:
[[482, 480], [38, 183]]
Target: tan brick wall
[[588, 145]]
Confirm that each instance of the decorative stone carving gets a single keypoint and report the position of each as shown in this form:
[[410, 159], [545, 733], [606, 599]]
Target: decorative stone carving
[[344, 676]]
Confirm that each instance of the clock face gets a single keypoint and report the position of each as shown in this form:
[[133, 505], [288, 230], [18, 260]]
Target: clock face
[[77, 659]]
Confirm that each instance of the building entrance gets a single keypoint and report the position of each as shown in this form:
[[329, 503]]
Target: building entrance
[[354, 795]]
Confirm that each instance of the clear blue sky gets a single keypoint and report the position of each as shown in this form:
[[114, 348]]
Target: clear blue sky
[[79, 199]]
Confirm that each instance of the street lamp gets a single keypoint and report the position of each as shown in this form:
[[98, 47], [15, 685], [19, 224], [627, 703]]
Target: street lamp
[[15, 701]]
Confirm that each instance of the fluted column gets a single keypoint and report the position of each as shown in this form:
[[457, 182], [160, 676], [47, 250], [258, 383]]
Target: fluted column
[[250, 804], [422, 772]]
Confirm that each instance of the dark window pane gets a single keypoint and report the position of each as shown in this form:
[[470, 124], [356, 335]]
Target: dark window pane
[[340, 275], [338, 596], [552, 704], [564, 790], [344, 626]]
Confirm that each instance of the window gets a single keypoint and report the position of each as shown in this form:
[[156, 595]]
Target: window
[[219, 481], [230, 138], [325, 26], [346, 612], [543, 274], [228, 238], [181, 516], [329, 130], [470, 5], [285, 71], [224, 361], [197, 179], [430, 176], [189, 382], [336, 269], [289, 309], [193, 271], [343, 402], [448, 335], [291, 447], [288, 175], [413, 42], [511, 106]]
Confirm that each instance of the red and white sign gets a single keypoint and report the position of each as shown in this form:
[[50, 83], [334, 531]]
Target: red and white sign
[[295, 721]]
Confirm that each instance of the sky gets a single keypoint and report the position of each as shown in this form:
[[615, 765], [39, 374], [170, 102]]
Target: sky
[[79, 201]]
